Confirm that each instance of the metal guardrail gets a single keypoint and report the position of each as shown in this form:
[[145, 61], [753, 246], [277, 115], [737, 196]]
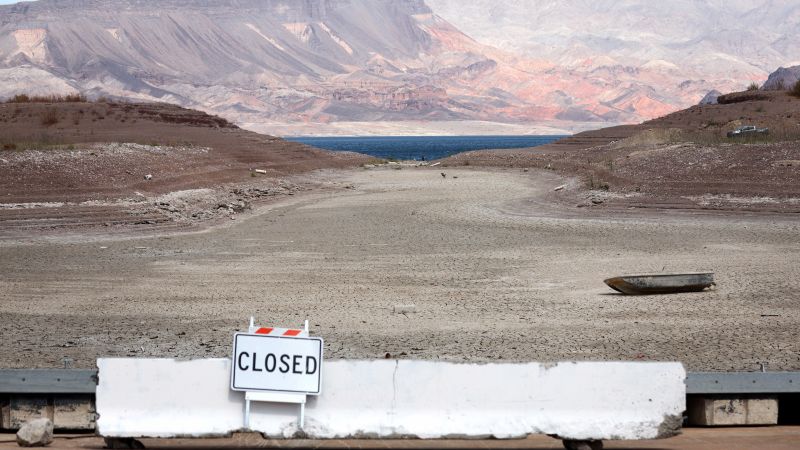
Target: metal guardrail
[[84, 381], [743, 383], [48, 381]]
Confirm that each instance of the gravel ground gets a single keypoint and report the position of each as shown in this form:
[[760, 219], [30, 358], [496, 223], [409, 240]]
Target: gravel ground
[[722, 438], [496, 268]]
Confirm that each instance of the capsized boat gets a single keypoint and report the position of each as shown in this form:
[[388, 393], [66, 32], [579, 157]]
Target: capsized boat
[[662, 283]]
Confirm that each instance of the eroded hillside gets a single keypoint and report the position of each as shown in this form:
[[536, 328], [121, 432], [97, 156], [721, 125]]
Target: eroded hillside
[[104, 163]]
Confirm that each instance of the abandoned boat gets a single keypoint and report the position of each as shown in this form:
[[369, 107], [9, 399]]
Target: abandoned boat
[[667, 283]]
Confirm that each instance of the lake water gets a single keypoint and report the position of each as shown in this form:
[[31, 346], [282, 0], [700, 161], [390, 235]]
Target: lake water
[[422, 147]]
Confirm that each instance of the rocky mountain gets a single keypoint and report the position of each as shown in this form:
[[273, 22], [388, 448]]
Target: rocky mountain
[[782, 79], [261, 61], [323, 66], [639, 55]]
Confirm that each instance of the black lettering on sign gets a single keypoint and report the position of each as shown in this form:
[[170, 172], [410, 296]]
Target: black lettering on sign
[[270, 362], [242, 366], [296, 364], [311, 368], [255, 363], [284, 364]]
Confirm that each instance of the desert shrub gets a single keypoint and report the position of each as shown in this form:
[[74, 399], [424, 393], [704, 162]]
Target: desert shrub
[[19, 98], [740, 97], [49, 117], [73, 98], [753, 86], [24, 98], [796, 89]]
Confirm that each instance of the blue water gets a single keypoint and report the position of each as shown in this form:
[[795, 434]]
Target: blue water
[[422, 147]]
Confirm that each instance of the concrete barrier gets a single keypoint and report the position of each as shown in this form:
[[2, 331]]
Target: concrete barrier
[[385, 399]]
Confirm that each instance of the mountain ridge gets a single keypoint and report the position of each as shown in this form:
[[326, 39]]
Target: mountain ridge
[[327, 62]]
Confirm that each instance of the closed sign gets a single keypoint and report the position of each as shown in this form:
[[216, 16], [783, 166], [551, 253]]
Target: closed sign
[[276, 364]]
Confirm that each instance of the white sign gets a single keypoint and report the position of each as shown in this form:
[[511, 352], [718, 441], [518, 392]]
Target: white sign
[[276, 364]]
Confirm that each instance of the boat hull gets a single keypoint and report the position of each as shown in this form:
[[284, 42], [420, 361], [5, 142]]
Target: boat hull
[[661, 283]]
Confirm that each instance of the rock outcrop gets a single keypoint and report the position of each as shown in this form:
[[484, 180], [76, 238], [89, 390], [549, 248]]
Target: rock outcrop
[[711, 98], [782, 79]]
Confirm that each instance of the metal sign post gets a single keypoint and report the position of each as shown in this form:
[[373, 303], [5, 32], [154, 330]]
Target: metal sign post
[[287, 370]]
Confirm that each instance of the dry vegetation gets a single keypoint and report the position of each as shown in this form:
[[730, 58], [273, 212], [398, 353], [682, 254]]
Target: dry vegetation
[[69, 98], [50, 117], [52, 122], [796, 89], [47, 117]]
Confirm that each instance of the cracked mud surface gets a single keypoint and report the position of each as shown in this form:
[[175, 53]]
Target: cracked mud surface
[[494, 268]]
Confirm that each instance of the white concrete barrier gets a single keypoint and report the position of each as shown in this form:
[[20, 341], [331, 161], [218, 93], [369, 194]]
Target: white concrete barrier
[[586, 400]]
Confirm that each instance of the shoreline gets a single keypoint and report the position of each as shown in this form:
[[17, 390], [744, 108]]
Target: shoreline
[[572, 202]]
